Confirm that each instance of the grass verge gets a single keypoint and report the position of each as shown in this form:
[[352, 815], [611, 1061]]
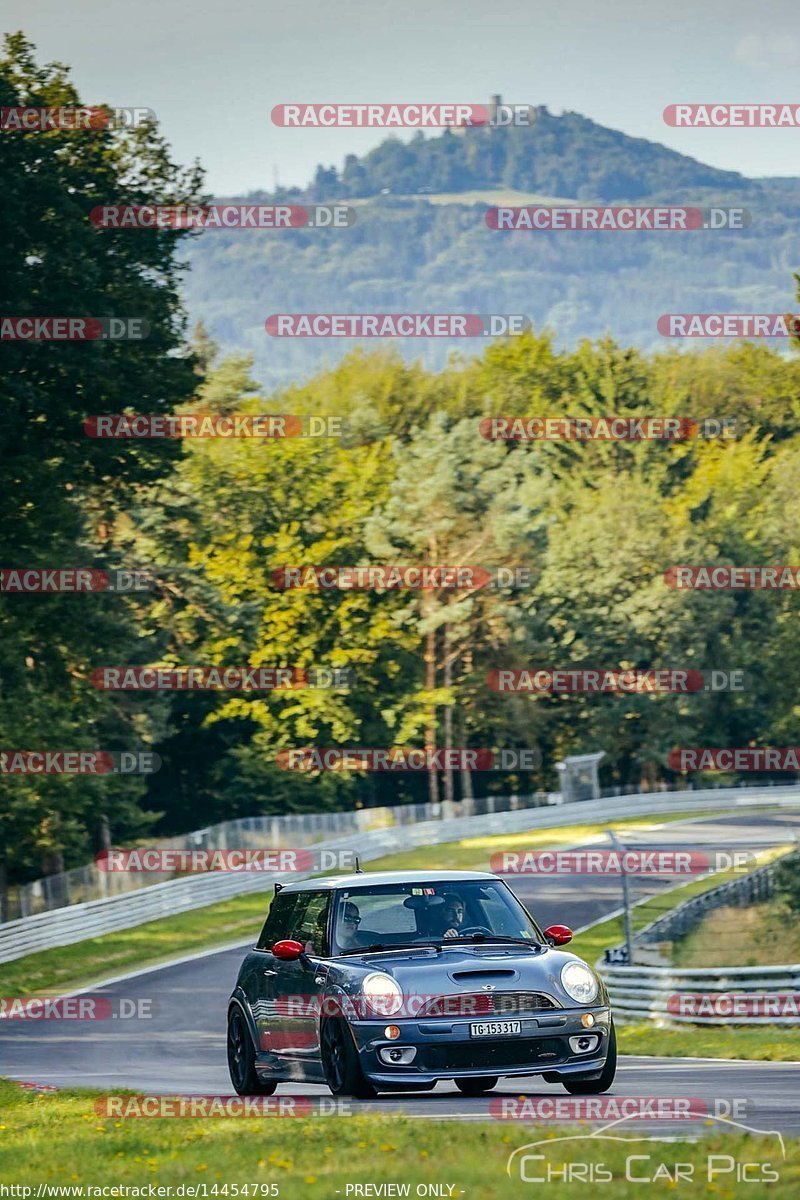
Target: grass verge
[[58, 1139], [761, 935]]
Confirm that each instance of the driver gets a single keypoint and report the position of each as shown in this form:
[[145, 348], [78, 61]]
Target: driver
[[347, 927], [453, 915]]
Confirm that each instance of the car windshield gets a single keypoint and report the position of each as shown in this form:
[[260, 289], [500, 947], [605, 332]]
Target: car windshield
[[402, 914]]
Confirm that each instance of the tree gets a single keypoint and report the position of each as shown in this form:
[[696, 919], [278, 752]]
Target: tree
[[63, 494]]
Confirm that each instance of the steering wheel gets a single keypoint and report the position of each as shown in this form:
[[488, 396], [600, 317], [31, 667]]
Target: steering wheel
[[468, 929]]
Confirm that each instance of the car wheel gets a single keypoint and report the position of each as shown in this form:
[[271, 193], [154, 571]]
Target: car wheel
[[343, 1073], [593, 1087], [476, 1087], [242, 1059]]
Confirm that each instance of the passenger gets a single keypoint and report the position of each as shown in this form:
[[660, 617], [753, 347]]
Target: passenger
[[347, 927]]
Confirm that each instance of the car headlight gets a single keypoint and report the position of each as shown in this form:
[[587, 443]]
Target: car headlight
[[382, 993], [579, 982]]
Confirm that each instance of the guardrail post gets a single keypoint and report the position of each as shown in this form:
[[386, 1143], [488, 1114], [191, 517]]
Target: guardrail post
[[626, 899]]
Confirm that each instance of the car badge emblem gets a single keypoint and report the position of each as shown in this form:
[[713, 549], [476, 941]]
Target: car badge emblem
[[488, 987]]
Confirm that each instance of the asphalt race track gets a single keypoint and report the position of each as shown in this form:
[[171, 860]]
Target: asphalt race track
[[180, 1048]]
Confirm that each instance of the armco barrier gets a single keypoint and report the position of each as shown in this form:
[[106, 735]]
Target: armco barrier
[[274, 831], [75, 923], [84, 883], [751, 888], [653, 993]]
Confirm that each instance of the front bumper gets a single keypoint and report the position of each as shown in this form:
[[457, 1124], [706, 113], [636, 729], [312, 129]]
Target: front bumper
[[445, 1049]]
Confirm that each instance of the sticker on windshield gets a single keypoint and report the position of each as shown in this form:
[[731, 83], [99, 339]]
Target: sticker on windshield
[[429, 891], [416, 891]]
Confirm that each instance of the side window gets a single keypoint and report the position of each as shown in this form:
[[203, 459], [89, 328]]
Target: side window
[[309, 920], [279, 920]]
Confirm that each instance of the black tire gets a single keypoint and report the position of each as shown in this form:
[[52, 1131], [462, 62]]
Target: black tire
[[476, 1087], [593, 1087], [242, 1058], [343, 1073]]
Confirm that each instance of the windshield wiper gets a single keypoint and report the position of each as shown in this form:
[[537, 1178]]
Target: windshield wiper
[[376, 947], [493, 937]]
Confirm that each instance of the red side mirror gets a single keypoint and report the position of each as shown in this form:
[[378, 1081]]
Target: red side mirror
[[288, 950], [557, 935]]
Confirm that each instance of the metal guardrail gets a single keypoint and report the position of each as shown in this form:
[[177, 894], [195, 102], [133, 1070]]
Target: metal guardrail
[[707, 996], [753, 888], [766, 995], [80, 884], [77, 922], [294, 830]]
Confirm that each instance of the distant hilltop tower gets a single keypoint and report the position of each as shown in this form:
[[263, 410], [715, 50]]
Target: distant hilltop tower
[[495, 103]]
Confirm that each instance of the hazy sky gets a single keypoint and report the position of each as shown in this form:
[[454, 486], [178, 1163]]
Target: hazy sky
[[213, 71]]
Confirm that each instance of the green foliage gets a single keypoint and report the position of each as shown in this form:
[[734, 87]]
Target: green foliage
[[62, 494], [410, 482]]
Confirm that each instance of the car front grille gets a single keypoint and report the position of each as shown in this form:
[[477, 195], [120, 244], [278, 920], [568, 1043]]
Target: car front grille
[[487, 1004], [487, 1054]]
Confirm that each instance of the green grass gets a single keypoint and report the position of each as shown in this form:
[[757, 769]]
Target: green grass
[[760, 935], [69, 967], [59, 1139], [474, 854], [765, 1043]]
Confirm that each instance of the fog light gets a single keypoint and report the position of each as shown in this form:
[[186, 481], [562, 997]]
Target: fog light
[[392, 1032], [584, 1043], [587, 1020], [398, 1056]]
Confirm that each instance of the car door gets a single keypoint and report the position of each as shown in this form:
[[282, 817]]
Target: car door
[[298, 986], [261, 985]]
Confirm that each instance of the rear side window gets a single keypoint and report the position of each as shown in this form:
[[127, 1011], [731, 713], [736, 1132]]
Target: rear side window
[[309, 920], [279, 920]]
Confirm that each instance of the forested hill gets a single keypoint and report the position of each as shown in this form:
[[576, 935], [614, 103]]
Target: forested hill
[[421, 244], [568, 155]]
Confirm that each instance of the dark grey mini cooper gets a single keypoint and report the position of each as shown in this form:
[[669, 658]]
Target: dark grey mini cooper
[[393, 981]]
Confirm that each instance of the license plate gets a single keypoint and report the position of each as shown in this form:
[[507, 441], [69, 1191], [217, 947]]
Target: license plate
[[495, 1029]]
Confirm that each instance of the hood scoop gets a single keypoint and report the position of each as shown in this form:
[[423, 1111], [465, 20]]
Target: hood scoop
[[482, 975]]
